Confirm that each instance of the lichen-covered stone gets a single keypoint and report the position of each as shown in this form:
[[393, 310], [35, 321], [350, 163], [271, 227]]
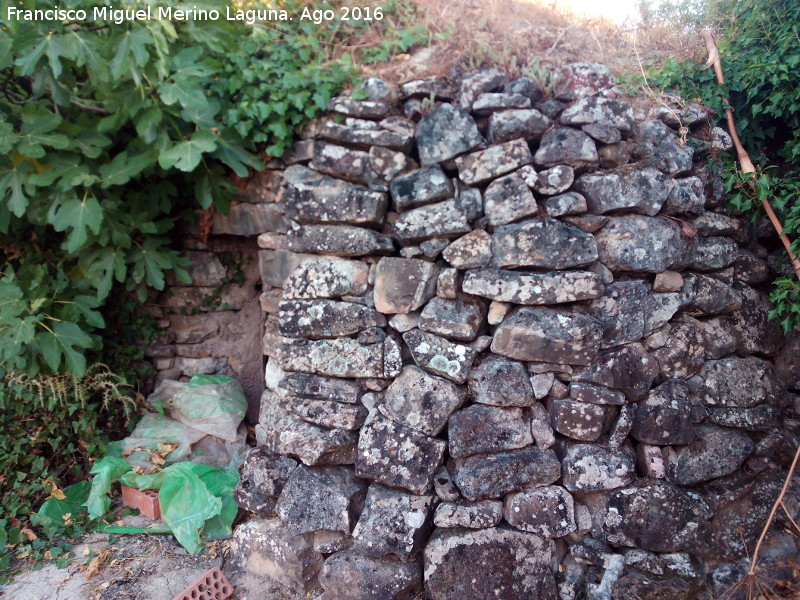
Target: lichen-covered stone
[[599, 110], [513, 564], [459, 320], [508, 199], [665, 416], [493, 162], [262, 477], [471, 515], [508, 125], [546, 335], [706, 295], [353, 576], [571, 203], [479, 82], [481, 428], [554, 180], [267, 548], [565, 146], [596, 468], [444, 219], [362, 109], [484, 476], [327, 278], [629, 311], [316, 498], [642, 191], [490, 102], [581, 79], [715, 452], [471, 251], [324, 318], [402, 285], [439, 356], [657, 516], [422, 186], [606, 134], [578, 420], [543, 243], [713, 253], [660, 147], [593, 394], [393, 522], [312, 444], [687, 197], [683, 352], [311, 197], [308, 385], [445, 133], [397, 456], [498, 381], [364, 134], [737, 383], [421, 401], [639, 243], [532, 288], [335, 415], [340, 357], [628, 368], [338, 240], [547, 511]]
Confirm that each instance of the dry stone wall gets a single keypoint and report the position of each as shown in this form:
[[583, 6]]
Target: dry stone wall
[[515, 350]]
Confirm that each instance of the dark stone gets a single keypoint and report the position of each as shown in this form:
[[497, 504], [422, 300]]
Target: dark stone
[[459, 320], [339, 240], [714, 453], [479, 82], [585, 392], [525, 86], [364, 134], [659, 517], [446, 133], [316, 498], [528, 124], [601, 111], [642, 244], [484, 476], [637, 585], [362, 109], [581, 79], [571, 203], [664, 417], [324, 318], [707, 295], [471, 515], [421, 401], [422, 186], [544, 243], [328, 414], [403, 285], [606, 134], [565, 146], [312, 444], [737, 383], [688, 197], [334, 389], [262, 477], [578, 420], [547, 511], [491, 102], [642, 191], [480, 428], [393, 523], [554, 180], [352, 576], [628, 368], [501, 382], [396, 456], [513, 565], [660, 147]]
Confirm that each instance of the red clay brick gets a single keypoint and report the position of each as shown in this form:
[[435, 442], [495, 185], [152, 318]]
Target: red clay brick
[[145, 500], [211, 585]]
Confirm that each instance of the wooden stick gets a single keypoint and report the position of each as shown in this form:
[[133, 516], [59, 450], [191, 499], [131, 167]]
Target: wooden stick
[[747, 167], [744, 158]]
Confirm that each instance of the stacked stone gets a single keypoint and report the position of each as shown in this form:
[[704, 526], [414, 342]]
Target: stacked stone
[[515, 351]]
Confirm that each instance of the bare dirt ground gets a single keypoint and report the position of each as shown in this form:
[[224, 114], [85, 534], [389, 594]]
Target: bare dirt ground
[[137, 567]]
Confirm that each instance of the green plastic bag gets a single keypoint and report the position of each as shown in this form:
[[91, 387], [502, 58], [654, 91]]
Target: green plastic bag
[[213, 404], [105, 471]]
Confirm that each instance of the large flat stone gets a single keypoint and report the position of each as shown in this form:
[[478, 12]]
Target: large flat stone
[[546, 511], [481, 428], [443, 219], [513, 565], [327, 278], [737, 383], [508, 199], [311, 197], [439, 356], [340, 357], [597, 468], [397, 456], [546, 335], [565, 146], [446, 133], [715, 452], [526, 123], [481, 166], [339, 240], [321, 498], [544, 243], [402, 285], [422, 186], [459, 320], [498, 381], [312, 444], [325, 318], [642, 191], [628, 368], [642, 244], [533, 288], [486, 476], [353, 576]]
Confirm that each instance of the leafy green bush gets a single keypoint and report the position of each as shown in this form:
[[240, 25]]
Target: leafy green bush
[[759, 42]]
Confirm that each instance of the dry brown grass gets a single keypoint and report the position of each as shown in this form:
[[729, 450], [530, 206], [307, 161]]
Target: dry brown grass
[[527, 36]]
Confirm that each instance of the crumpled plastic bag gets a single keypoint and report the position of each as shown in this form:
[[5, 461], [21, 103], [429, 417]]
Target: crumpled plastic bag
[[214, 404], [196, 500]]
